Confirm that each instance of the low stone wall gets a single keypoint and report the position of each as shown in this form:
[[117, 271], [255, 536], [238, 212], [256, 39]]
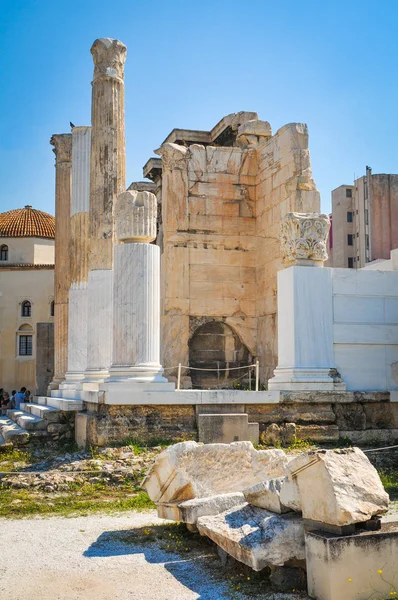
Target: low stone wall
[[363, 418], [106, 424]]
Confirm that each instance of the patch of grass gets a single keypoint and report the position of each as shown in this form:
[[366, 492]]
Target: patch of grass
[[90, 499], [389, 480], [10, 456]]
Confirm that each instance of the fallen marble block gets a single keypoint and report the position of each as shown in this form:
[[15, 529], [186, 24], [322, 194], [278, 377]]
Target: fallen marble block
[[338, 487], [190, 470], [255, 536], [190, 510], [266, 494]]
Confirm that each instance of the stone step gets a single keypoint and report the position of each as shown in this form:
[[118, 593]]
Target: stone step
[[65, 404], [12, 432], [44, 412], [26, 420]]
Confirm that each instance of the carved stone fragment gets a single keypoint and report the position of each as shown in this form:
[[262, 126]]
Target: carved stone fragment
[[303, 237]]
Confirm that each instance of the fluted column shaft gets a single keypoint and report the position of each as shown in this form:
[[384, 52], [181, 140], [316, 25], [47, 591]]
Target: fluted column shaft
[[136, 291], [107, 180], [63, 161], [78, 256]]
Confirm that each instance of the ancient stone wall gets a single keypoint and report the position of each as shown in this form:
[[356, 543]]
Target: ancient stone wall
[[324, 417], [283, 184], [208, 262], [221, 213]]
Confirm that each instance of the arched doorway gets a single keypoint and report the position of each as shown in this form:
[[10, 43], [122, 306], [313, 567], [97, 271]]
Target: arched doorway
[[215, 345]]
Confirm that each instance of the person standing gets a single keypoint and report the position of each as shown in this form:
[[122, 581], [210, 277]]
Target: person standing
[[20, 397]]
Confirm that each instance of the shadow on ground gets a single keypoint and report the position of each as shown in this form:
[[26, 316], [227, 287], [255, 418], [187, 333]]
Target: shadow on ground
[[189, 567]]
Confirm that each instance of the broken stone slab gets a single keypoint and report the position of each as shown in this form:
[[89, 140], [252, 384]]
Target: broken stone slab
[[338, 487], [190, 510], [266, 494], [255, 536], [290, 494], [190, 470]]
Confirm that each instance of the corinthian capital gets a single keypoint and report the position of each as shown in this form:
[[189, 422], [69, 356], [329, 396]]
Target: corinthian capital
[[135, 216], [109, 57], [303, 237], [62, 143]]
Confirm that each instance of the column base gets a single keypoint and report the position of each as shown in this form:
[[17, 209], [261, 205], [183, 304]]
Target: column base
[[145, 373], [304, 379]]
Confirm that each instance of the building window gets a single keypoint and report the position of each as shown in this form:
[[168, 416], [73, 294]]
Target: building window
[[367, 240], [349, 216], [52, 309], [350, 262], [366, 216], [348, 193], [26, 310], [25, 345], [349, 239], [4, 252]]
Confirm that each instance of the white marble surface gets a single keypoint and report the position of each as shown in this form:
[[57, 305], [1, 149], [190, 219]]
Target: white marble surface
[[100, 322], [136, 340], [81, 147], [365, 327], [77, 328], [305, 330], [119, 396]]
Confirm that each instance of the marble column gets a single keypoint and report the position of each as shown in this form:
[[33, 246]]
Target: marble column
[[305, 308], [136, 292], [63, 161], [107, 181], [78, 255]]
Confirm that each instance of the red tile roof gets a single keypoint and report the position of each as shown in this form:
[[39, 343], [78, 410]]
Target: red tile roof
[[27, 222]]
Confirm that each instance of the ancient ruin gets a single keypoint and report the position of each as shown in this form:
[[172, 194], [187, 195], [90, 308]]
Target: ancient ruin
[[319, 512], [208, 276]]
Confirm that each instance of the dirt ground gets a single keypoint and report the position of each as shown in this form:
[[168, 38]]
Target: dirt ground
[[85, 558]]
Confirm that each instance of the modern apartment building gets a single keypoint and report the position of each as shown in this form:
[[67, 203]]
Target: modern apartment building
[[364, 221]]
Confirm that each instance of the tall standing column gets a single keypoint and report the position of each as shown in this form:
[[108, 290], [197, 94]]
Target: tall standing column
[[78, 256], [136, 300], [63, 161], [107, 180]]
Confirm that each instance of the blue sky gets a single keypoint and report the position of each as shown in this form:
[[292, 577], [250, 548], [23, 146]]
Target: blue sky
[[332, 65]]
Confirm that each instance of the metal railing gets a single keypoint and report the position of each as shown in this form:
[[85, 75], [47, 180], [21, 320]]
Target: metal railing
[[255, 366]]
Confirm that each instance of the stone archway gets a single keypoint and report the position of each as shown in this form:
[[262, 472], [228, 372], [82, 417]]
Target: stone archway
[[214, 345]]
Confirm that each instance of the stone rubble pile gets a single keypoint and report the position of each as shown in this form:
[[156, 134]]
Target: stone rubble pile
[[256, 504], [110, 465]]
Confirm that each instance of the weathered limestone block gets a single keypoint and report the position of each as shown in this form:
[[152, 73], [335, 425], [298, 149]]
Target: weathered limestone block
[[267, 495], [350, 416], [318, 433], [303, 236], [338, 487], [256, 537], [190, 470], [255, 127], [253, 132], [279, 434], [190, 510], [135, 216]]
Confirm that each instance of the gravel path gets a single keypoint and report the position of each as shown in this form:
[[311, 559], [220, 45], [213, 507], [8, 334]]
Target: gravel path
[[65, 559]]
